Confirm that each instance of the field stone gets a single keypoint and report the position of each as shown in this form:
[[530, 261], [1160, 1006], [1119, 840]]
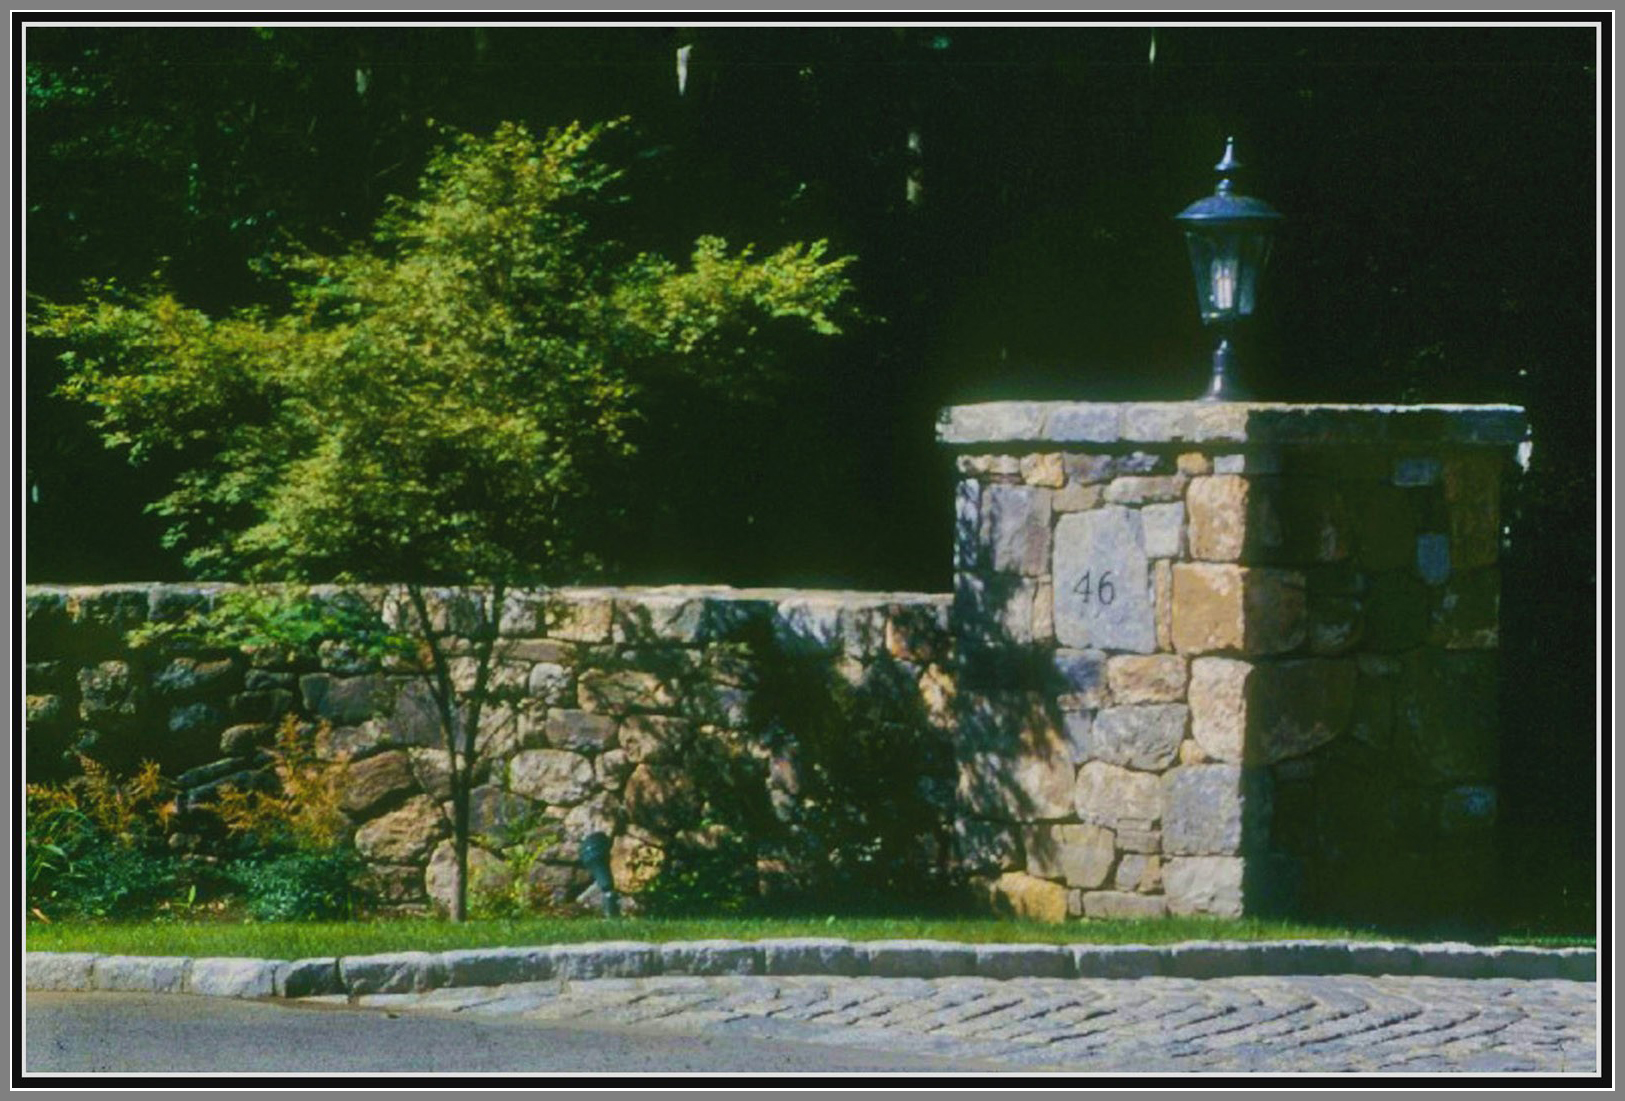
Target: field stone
[[403, 836], [374, 781], [1027, 896], [553, 776]]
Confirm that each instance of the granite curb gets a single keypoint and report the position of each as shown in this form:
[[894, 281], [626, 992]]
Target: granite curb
[[417, 972]]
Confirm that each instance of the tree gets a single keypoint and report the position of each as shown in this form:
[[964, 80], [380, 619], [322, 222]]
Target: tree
[[434, 409]]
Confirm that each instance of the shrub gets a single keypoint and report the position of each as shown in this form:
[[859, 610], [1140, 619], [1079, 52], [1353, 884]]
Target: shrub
[[299, 886], [304, 814], [93, 846]]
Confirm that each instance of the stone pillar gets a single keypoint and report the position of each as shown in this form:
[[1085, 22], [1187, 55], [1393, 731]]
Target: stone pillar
[[1229, 658]]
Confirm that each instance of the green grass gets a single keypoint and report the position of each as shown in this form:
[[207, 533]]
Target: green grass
[[297, 940]]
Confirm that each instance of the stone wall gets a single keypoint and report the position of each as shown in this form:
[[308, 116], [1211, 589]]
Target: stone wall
[[1251, 650], [594, 689], [1199, 659]]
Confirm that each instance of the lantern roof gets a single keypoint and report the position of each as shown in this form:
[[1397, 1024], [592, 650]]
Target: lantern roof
[[1224, 206]]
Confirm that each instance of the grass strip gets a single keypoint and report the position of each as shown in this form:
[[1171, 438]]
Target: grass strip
[[297, 940]]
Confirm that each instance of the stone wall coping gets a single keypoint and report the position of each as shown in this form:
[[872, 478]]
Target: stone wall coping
[[1121, 424], [406, 972]]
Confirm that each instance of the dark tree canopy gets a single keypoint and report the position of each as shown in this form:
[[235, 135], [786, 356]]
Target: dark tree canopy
[[1010, 192]]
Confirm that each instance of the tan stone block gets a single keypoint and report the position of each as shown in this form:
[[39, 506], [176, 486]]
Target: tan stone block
[[1162, 582], [1218, 702], [1191, 753], [1139, 840], [1021, 895], [1217, 510], [404, 836], [1082, 855], [374, 781], [1222, 607], [1044, 611], [1025, 786], [1146, 678], [1195, 464], [1043, 470], [579, 619], [1138, 872], [1107, 795], [1135, 489], [1076, 498]]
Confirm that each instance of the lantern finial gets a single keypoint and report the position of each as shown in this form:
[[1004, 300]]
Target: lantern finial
[[1228, 165]]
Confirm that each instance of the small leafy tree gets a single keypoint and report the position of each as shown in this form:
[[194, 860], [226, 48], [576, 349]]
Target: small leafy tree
[[433, 408]]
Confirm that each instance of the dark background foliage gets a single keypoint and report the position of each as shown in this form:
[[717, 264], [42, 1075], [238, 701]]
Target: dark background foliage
[[1441, 245]]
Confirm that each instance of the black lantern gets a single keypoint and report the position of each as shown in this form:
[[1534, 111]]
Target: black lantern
[[1229, 240]]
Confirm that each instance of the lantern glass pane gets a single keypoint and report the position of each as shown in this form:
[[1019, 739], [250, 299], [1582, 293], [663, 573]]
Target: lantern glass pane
[[1225, 264]]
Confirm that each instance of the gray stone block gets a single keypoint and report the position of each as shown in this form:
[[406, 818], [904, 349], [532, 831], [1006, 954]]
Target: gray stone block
[[1452, 961], [619, 959], [811, 956], [392, 973], [59, 970], [1116, 961], [1144, 736], [1211, 959], [1103, 596], [496, 966], [919, 959], [146, 974], [1079, 423], [991, 421], [227, 977], [712, 957], [1202, 810], [1016, 522], [1023, 961], [1381, 959], [1307, 957], [309, 978]]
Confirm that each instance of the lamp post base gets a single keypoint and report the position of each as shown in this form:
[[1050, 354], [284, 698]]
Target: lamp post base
[[1222, 386]]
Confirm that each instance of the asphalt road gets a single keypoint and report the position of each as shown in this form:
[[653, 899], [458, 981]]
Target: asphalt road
[[179, 1034]]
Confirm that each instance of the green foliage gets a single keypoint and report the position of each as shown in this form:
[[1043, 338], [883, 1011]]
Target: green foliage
[[299, 886], [289, 619], [510, 891], [435, 406], [94, 847], [710, 875]]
